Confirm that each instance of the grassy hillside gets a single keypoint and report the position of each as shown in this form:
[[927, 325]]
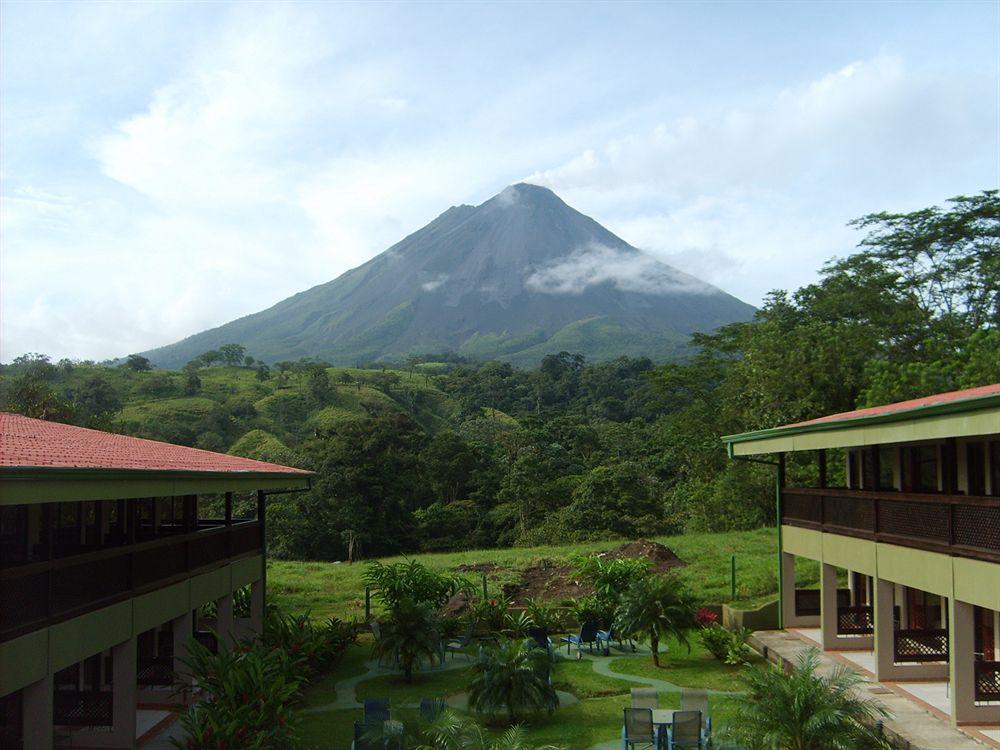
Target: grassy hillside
[[337, 589]]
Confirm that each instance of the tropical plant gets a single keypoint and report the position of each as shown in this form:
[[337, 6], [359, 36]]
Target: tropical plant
[[512, 676], [452, 731], [249, 696], [594, 609], [542, 615], [656, 606], [517, 627], [715, 639], [737, 650], [412, 633], [610, 579], [319, 646], [805, 710], [494, 613], [393, 582]]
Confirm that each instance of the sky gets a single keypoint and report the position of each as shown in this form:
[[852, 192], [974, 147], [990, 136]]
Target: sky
[[166, 167]]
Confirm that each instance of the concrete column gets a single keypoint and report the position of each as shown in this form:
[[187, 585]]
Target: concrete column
[[183, 628], [257, 607], [36, 706], [828, 616], [961, 647], [125, 665], [884, 630], [225, 624], [789, 617]]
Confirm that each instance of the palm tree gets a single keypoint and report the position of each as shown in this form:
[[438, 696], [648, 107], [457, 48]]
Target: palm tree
[[449, 731], [656, 606], [513, 675], [413, 632], [804, 710]]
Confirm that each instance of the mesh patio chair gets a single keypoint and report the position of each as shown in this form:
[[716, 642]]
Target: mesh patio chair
[[587, 635], [638, 730], [541, 637], [685, 732], [431, 708], [645, 698], [458, 645], [696, 699], [376, 710], [606, 636]]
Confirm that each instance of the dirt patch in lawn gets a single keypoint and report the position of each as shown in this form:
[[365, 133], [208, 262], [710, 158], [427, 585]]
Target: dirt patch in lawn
[[662, 558], [477, 567]]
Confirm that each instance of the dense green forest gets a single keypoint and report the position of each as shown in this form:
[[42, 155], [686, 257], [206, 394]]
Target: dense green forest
[[441, 453]]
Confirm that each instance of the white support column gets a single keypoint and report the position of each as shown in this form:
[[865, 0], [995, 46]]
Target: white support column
[[37, 714], [182, 631], [225, 624], [125, 664], [832, 641], [257, 606], [961, 648], [885, 639]]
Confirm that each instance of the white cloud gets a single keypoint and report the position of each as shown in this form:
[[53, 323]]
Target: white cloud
[[627, 270]]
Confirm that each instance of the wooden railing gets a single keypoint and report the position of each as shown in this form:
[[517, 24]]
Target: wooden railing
[[987, 675], [855, 621], [78, 708], [920, 645], [961, 525], [39, 594]]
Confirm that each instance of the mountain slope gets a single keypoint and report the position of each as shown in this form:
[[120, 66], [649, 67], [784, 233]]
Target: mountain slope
[[517, 277]]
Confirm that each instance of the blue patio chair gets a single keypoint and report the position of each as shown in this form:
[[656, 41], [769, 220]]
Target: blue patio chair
[[541, 638], [376, 710], [431, 708], [458, 645], [686, 732], [606, 636], [638, 730], [587, 635]]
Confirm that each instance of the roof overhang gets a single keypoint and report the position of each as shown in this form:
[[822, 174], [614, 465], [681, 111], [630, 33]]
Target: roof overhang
[[44, 484], [964, 418]]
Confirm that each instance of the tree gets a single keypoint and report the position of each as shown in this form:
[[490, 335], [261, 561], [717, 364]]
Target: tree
[[32, 397], [656, 606], [805, 710], [319, 384], [346, 378], [411, 633], [210, 358], [97, 396], [513, 676], [232, 354], [263, 372], [138, 363]]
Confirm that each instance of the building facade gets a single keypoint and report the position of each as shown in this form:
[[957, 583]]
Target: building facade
[[904, 519], [114, 553]]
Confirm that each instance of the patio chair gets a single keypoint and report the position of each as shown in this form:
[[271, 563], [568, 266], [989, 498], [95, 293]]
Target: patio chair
[[541, 637], [365, 736], [638, 730], [696, 699], [685, 732], [587, 635], [431, 708], [377, 635], [606, 636], [645, 698], [376, 710], [458, 645]]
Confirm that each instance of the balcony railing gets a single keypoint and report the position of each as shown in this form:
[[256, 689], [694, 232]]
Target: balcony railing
[[855, 621], [38, 594], [961, 525], [987, 681], [77, 708], [920, 645]]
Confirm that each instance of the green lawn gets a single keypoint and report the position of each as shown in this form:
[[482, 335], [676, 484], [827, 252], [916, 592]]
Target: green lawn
[[337, 589], [594, 716], [696, 668]]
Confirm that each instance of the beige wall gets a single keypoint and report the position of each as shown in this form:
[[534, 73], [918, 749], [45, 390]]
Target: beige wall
[[972, 581], [29, 658]]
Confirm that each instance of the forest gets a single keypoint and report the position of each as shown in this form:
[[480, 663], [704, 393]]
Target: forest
[[439, 453]]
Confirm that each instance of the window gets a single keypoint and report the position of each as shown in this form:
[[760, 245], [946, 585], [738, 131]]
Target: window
[[921, 474], [975, 468]]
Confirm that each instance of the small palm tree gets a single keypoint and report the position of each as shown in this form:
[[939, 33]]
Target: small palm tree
[[656, 606], [449, 731], [412, 633], [513, 675], [803, 710]]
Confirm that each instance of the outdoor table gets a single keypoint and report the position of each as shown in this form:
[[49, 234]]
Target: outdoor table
[[663, 716]]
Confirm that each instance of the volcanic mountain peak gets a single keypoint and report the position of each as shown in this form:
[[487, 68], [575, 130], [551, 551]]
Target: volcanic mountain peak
[[515, 277]]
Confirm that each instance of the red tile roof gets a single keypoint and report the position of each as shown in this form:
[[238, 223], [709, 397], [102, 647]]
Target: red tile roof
[[26, 442], [901, 406]]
